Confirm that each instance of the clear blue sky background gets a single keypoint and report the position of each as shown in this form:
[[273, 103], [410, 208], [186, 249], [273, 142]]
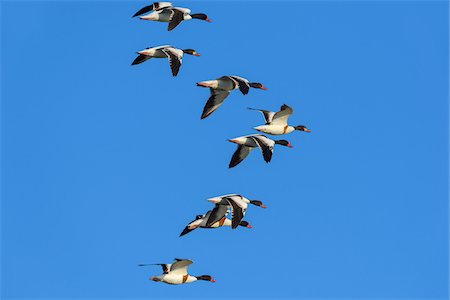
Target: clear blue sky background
[[103, 164]]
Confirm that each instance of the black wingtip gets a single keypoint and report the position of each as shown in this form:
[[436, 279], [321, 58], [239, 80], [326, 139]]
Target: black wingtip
[[185, 231], [204, 115], [140, 59]]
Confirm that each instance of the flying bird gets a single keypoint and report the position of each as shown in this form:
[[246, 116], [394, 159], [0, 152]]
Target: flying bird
[[238, 205], [176, 273], [220, 89], [201, 220], [276, 122], [165, 12], [174, 55], [249, 142]]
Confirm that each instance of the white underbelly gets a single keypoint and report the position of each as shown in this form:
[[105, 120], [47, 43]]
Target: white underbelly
[[275, 129], [178, 278]]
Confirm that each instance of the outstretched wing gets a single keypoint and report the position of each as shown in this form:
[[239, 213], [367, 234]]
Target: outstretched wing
[[165, 267], [176, 18], [244, 86], [154, 6], [268, 115], [191, 226], [140, 59], [180, 266], [281, 117], [214, 101], [217, 213], [237, 213], [239, 155], [175, 57], [265, 145]]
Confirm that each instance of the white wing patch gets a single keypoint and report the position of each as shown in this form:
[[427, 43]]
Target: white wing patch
[[281, 117], [180, 267]]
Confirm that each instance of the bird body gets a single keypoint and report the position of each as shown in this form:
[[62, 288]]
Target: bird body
[[175, 278], [159, 51], [249, 142], [202, 220], [174, 56], [275, 129], [165, 12], [220, 89], [176, 273], [237, 203], [276, 122]]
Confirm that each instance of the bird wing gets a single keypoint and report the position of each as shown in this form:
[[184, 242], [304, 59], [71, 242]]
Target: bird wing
[[176, 17], [244, 86], [165, 267], [184, 10], [265, 145], [161, 47], [175, 57], [238, 211], [268, 115], [214, 101], [154, 6], [219, 211], [180, 266], [239, 155], [192, 226], [140, 59], [281, 116]]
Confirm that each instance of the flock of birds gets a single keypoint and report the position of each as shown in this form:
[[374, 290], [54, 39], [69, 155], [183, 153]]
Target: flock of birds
[[276, 123]]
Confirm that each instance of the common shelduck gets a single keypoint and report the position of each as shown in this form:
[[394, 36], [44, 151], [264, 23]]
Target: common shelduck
[[249, 142], [220, 89], [237, 203], [174, 55], [165, 12], [201, 220], [176, 273], [276, 122]]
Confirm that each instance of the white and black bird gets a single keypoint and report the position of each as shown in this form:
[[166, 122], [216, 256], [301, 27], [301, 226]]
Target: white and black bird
[[176, 273], [201, 221], [276, 122], [165, 12], [221, 87], [249, 142], [238, 205], [174, 55]]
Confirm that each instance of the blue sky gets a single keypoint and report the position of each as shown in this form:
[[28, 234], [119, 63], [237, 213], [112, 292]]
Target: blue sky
[[103, 164]]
